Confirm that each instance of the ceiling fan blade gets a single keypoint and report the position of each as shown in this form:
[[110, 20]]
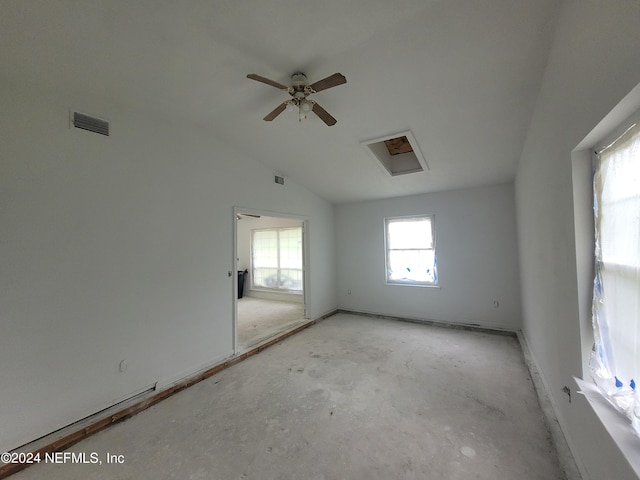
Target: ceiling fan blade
[[276, 111], [259, 78], [331, 81], [323, 114]]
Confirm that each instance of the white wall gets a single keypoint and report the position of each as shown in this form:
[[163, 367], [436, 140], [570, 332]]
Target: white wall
[[476, 250], [245, 226], [593, 64], [118, 248]]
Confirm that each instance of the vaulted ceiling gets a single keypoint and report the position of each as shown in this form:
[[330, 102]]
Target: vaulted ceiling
[[461, 75]]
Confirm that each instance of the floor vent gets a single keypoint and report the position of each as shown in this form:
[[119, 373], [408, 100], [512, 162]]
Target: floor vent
[[91, 124]]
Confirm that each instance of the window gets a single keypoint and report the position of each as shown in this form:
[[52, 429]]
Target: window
[[276, 258], [615, 362], [411, 250]]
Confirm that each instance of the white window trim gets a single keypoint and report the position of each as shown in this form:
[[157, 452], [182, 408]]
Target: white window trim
[[409, 283], [251, 263], [612, 126]]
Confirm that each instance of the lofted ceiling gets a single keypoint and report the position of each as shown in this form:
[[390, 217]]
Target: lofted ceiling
[[461, 75]]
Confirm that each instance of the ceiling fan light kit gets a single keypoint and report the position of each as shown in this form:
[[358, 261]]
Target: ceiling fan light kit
[[300, 89]]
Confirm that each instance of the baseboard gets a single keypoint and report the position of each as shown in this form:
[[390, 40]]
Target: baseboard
[[565, 456]]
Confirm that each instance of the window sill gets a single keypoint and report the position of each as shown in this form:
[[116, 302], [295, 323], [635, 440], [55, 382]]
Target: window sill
[[616, 423], [407, 284]]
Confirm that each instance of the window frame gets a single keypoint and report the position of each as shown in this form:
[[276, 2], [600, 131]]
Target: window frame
[[603, 133], [610, 267], [413, 283], [277, 288]]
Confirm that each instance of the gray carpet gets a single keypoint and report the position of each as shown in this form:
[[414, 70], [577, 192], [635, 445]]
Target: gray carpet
[[260, 319]]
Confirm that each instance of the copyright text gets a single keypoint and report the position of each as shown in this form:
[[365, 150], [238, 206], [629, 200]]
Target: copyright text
[[88, 458]]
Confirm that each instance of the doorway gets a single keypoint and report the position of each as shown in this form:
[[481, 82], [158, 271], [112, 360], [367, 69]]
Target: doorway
[[270, 259]]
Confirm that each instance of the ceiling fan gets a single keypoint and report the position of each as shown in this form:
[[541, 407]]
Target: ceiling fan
[[300, 89]]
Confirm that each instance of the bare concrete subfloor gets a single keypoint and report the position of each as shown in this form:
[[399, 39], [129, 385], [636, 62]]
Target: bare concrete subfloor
[[349, 398]]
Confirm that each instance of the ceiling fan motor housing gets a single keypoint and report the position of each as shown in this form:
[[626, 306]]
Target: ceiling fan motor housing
[[298, 80]]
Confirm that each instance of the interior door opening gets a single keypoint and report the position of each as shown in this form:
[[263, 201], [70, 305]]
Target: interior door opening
[[270, 259]]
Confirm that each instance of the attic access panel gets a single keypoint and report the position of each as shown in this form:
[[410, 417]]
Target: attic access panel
[[398, 154]]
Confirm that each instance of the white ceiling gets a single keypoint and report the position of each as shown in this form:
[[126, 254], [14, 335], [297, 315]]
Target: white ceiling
[[462, 75]]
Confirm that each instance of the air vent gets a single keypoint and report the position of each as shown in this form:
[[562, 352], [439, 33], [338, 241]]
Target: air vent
[[91, 124], [279, 180]]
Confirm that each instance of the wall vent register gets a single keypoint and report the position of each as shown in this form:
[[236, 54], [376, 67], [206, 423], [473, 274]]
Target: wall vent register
[[90, 124]]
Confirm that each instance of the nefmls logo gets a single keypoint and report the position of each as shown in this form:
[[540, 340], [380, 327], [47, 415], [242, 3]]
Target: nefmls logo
[[72, 457]]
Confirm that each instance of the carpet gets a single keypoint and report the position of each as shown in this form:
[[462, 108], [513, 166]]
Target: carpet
[[259, 319]]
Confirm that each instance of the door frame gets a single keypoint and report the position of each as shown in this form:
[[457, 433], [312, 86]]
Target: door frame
[[306, 269]]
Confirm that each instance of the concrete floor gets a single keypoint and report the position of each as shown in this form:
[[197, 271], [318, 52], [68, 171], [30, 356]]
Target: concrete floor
[[349, 398]]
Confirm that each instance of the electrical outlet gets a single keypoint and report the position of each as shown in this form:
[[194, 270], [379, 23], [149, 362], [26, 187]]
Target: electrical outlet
[[348, 292], [123, 366], [496, 304]]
